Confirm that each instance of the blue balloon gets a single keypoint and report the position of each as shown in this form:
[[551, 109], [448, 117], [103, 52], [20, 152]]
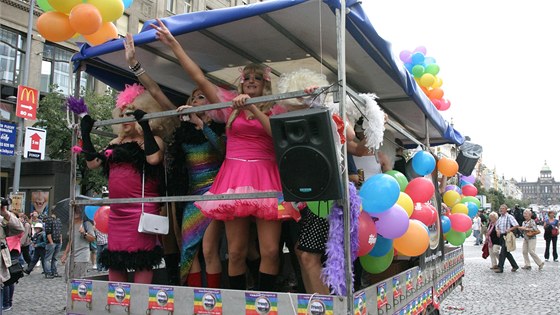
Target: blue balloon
[[445, 224], [382, 246], [418, 58], [473, 209], [127, 3], [423, 163], [90, 211], [379, 193]]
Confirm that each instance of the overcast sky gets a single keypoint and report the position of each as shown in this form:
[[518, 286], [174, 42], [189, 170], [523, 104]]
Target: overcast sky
[[499, 64]]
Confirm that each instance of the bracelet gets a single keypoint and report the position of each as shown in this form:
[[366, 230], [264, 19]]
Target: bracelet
[[139, 72], [136, 67]]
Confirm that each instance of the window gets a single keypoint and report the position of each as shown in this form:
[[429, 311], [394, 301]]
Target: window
[[170, 5], [140, 25], [56, 69], [122, 25], [12, 56], [188, 6]]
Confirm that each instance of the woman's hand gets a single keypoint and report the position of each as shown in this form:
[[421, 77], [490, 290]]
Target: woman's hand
[[239, 101], [129, 50], [163, 34], [63, 258], [193, 118], [310, 89]]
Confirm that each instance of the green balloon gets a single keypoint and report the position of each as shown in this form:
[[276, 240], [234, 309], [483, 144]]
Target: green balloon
[[432, 69], [400, 177], [468, 233], [320, 208], [471, 199], [417, 71], [379, 264], [44, 5], [455, 238]]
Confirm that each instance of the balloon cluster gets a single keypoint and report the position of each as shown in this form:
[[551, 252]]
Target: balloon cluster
[[425, 71], [65, 19], [99, 215]]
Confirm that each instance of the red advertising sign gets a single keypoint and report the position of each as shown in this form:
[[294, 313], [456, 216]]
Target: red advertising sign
[[27, 100]]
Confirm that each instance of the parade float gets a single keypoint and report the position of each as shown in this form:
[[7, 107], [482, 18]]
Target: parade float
[[399, 228]]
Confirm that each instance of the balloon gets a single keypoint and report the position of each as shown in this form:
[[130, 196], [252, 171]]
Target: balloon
[[101, 219], [417, 71], [445, 104], [432, 69], [420, 189], [473, 209], [382, 246], [405, 56], [415, 241], [85, 19], [406, 203], [437, 83], [55, 26], [417, 58], [460, 208], [460, 222], [401, 179], [44, 5], [110, 10], [469, 190], [367, 234], [64, 6], [447, 167], [409, 66], [423, 163], [374, 264], [469, 179], [427, 80], [106, 32], [127, 3], [379, 193], [90, 211], [451, 198], [422, 213], [445, 224], [436, 93], [468, 233], [320, 208], [455, 238], [420, 49], [392, 223], [453, 187], [471, 199]]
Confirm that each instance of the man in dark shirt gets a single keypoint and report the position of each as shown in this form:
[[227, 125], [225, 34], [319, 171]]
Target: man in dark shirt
[[53, 229]]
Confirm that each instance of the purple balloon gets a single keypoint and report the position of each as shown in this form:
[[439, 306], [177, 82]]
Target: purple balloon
[[392, 223], [421, 49], [454, 188], [405, 56], [469, 179]]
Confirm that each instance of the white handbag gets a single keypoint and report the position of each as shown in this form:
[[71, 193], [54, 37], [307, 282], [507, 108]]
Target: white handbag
[[152, 223]]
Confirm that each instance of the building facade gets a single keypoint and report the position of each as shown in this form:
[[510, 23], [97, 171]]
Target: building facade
[[545, 191]]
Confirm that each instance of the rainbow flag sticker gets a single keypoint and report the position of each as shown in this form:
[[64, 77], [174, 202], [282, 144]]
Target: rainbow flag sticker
[[261, 303], [360, 306], [207, 302], [161, 298], [118, 294], [82, 290], [319, 304]]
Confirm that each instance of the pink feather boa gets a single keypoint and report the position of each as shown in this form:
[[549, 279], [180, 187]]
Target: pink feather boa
[[130, 93]]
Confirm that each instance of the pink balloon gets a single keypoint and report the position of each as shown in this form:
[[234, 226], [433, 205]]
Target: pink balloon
[[460, 222], [367, 234], [434, 214], [422, 213], [469, 190], [444, 104], [421, 49], [392, 223], [420, 189], [101, 219]]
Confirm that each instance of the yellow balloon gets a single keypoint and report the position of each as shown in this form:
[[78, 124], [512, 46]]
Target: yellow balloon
[[110, 10], [406, 203], [437, 82], [415, 240], [451, 198], [64, 6], [460, 208], [427, 80]]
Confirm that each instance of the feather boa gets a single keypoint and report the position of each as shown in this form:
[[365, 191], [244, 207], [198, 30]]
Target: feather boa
[[77, 106], [335, 263], [374, 122], [130, 93]]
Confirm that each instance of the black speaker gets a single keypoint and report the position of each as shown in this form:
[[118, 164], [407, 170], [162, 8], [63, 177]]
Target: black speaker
[[306, 155]]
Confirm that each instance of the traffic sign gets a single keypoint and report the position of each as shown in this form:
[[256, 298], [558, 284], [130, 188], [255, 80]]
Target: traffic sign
[[35, 139], [27, 100]]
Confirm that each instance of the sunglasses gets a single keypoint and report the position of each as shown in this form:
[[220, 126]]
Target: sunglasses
[[255, 77], [200, 97]]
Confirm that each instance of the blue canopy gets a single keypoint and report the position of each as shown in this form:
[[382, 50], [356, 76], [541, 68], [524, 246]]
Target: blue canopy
[[286, 35]]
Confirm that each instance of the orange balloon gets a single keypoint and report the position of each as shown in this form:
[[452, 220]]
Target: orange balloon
[[55, 26], [415, 240], [436, 93], [447, 167], [106, 32], [85, 19]]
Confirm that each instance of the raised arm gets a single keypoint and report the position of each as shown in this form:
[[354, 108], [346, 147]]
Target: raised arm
[[193, 70], [142, 75]]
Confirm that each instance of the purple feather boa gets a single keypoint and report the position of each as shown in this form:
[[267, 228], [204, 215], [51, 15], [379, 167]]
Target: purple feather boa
[[333, 273], [77, 105]]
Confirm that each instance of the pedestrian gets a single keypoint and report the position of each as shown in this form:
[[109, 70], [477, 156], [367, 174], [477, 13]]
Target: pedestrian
[[483, 225], [10, 225], [78, 246], [551, 235], [529, 241], [14, 245], [101, 241], [39, 240], [26, 238], [493, 240], [476, 225], [505, 224], [53, 231]]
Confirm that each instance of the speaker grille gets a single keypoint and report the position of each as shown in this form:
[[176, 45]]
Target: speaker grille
[[305, 172]]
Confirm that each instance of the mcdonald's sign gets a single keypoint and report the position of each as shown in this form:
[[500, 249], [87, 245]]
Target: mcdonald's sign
[[27, 100]]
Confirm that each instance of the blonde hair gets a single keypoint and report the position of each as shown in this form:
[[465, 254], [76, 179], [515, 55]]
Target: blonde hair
[[493, 215], [256, 69]]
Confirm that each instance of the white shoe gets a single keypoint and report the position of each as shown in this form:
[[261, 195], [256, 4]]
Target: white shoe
[[94, 267]]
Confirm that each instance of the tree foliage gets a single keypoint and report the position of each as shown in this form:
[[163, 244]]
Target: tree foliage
[[53, 116]]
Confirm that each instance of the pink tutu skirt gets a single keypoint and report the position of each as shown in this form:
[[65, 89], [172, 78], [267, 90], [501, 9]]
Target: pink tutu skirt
[[238, 176]]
